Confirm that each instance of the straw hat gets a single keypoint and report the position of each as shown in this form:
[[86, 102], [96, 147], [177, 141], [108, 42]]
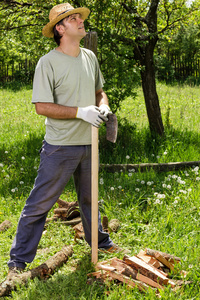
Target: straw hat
[[59, 12]]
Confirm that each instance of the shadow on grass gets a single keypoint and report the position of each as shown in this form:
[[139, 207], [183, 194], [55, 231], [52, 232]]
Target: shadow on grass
[[139, 146], [71, 286], [21, 159]]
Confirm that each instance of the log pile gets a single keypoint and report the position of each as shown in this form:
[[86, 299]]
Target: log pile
[[67, 212], [148, 269]]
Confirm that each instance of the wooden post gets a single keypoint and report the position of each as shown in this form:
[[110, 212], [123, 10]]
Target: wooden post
[[90, 42]]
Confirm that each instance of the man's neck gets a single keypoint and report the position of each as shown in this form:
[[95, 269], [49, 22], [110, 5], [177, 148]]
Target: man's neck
[[71, 49]]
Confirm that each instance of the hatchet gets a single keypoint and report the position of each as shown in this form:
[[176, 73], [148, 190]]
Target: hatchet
[[111, 135]]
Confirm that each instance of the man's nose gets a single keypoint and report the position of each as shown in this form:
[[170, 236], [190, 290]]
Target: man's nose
[[80, 20]]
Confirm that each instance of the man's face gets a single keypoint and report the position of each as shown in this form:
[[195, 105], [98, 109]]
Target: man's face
[[73, 26]]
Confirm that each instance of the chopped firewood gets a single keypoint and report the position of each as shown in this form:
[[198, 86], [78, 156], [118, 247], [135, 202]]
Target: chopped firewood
[[136, 272], [61, 213], [147, 270], [65, 204], [124, 269], [169, 257], [114, 225], [163, 260], [105, 267], [79, 231], [70, 209], [105, 223], [43, 271], [149, 259], [54, 218], [129, 281], [5, 225]]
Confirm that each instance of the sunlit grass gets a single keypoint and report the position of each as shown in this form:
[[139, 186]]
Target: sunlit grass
[[156, 210]]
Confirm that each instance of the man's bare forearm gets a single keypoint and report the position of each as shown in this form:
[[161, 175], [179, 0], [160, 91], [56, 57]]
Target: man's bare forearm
[[101, 98], [55, 111]]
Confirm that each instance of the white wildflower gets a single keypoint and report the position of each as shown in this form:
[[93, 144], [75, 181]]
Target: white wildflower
[[21, 182], [1, 165], [23, 157], [157, 201], [165, 153], [112, 188], [130, 174], [161, 196], [142, 182], [137, 189], [169, 187], [13, 190], [183, 191], [197, 178], [127, 156], [149, 183], [101, 181], [164, 185], [175, 202]]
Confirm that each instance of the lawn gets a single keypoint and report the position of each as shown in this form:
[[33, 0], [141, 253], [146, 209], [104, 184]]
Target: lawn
[[156, 210]]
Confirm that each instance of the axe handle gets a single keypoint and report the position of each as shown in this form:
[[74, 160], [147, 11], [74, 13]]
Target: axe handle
[[94, 192]]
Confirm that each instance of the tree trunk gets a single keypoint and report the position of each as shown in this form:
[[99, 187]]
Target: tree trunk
[[150, 93]]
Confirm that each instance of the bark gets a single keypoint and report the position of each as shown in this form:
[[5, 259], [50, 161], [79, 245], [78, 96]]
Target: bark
[[147, 270], [144, 46], [169, 257], [151, 98], [43, 271], [5, 225], [67, 210], [159, 167]]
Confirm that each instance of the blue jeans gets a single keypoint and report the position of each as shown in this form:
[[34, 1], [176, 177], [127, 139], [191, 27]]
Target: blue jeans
[[57, 165]]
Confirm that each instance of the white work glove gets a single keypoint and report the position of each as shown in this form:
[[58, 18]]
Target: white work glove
[[91, 114], [104, 110]]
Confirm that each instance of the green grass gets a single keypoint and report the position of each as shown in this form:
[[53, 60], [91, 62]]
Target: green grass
[[156, 210]]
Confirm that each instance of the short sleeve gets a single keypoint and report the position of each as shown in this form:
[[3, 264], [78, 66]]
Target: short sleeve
[[43, 83], [99, 80]]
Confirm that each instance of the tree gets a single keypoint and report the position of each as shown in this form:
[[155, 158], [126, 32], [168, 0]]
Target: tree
[[143, 37], [128, 33]]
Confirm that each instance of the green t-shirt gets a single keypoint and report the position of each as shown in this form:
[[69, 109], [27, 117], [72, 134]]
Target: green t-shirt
[[69, 81]]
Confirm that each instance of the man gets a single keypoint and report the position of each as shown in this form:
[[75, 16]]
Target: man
[[67, 89]]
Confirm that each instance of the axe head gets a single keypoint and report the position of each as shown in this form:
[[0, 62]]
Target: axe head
[[111, 128]]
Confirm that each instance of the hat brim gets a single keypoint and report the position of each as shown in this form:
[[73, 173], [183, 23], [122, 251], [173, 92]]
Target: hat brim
[[48, 28]]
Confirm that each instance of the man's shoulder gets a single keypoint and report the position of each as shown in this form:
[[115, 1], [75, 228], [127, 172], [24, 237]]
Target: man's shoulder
[[88, 52], [48, 56], [48, 59]]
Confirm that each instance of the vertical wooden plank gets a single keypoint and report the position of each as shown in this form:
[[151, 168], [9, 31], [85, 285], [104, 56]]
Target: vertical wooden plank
[[90, 42], [94, 186]]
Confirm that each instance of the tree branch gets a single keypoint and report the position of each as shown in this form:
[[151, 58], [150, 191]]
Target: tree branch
[[15, 3], [133, 11], [21, 26]]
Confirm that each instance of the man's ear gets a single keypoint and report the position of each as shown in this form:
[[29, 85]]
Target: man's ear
[[60, 29]]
